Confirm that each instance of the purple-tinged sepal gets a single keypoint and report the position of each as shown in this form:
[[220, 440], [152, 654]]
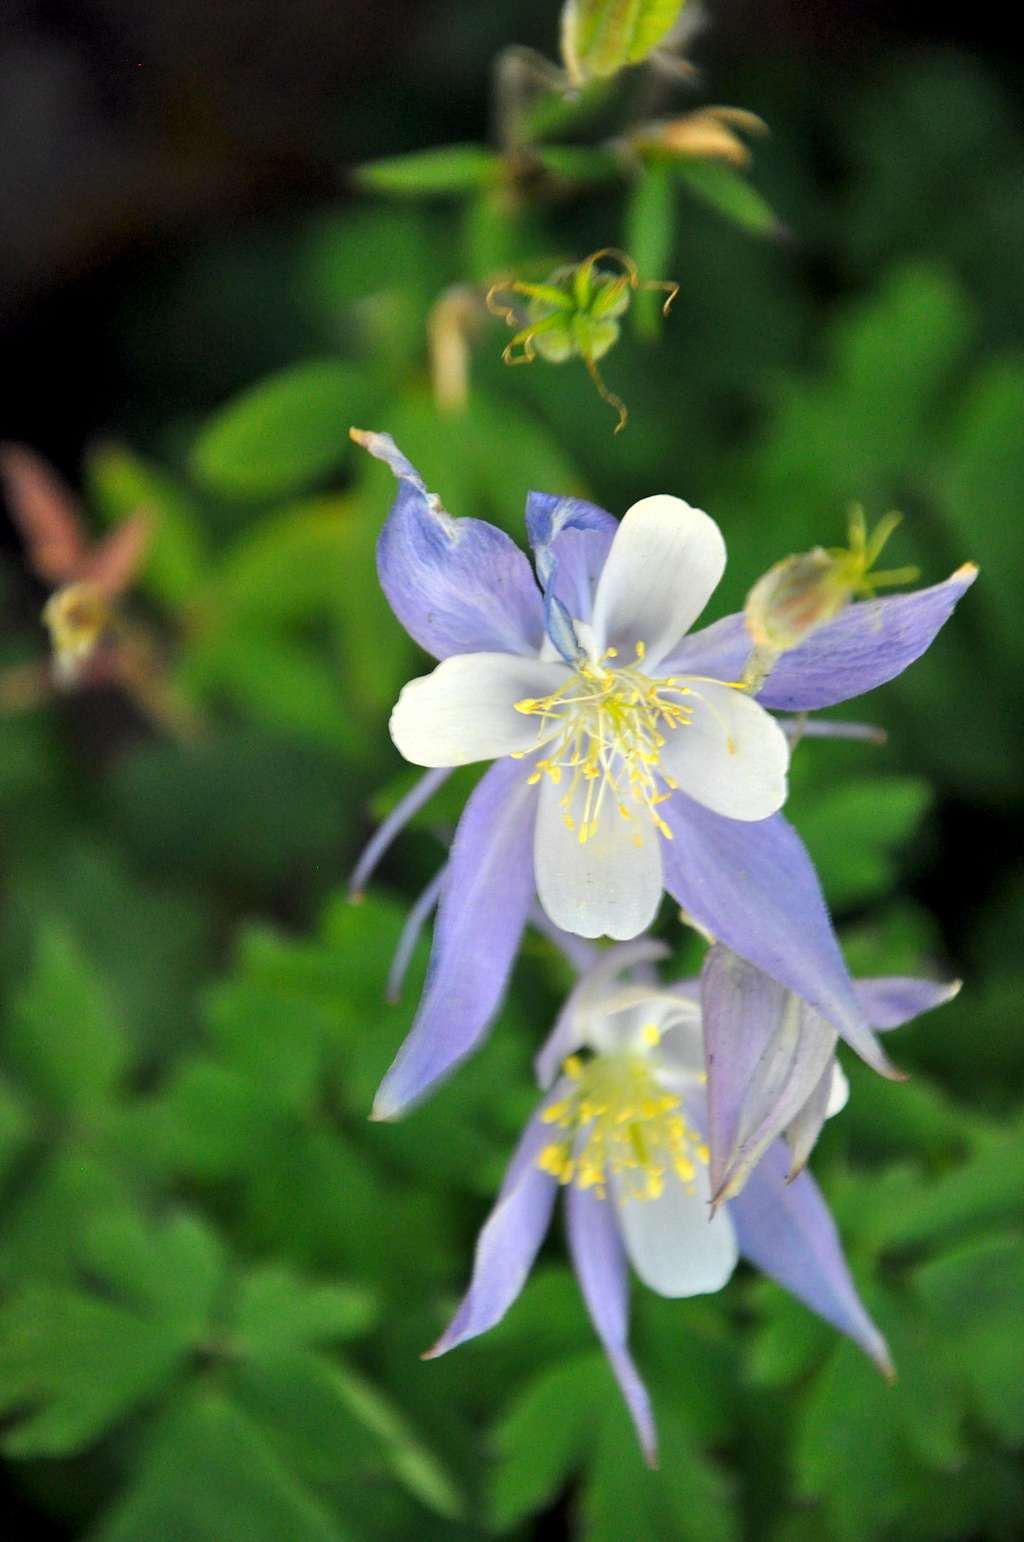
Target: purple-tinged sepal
[[766, 1052], [771, 1063], [599, 1261], [865, 646], [571, 540], [889, 1001], [508, 1244], [488, 890], [785, 1229], [456, 585], [752, 886]]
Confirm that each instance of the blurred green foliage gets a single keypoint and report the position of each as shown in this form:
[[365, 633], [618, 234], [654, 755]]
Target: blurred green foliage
[[216, 1277]]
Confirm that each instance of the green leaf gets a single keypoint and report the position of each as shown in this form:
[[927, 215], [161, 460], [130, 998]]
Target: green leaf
[[980, 1192], [276, 1310], [283, 684], [276, 1035], [578, 163], [974, 1293], [122, 483], [789, 1340], [174, 1271], [15, 1127], [410, 1461], [855, 831], [290, 566], [64, 1036], [730, 194], [147, 940], [686, 1500], [74, 1365], [849, 1454], [210, 1474], [449, 169], [544, 1436], [282, 434], [48, 1213], [208, 1120]]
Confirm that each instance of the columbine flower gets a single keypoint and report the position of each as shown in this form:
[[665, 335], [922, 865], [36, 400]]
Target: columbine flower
[[621, 1132], [627, 759], [771, 1064]]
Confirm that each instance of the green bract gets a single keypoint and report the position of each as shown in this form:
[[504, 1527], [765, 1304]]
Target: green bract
[[602, 37], [575, 314]]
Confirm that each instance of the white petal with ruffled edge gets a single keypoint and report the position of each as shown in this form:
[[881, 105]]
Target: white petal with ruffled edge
[[604, 886], [664, 565], [672, 1244], [466, 709], [731, 756]]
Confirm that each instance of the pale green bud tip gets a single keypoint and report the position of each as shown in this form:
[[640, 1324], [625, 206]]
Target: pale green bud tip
[[793, 598]]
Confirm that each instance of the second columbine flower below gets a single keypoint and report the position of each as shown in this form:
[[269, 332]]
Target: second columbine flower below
[[621, 1133]]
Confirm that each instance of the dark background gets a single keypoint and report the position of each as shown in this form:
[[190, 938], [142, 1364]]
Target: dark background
[[132, 133]]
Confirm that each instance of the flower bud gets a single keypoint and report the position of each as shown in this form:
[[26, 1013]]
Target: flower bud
[[794, 597], [709, 134], [77, 617], [801, 592], [602, 37]]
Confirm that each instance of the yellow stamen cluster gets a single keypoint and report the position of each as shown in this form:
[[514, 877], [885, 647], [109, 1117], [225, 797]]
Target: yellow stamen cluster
[[606, 728], [617, 1121]]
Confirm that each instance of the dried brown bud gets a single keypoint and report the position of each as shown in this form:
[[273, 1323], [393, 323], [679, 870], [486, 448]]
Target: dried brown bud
[[77, 617], [705, 135]]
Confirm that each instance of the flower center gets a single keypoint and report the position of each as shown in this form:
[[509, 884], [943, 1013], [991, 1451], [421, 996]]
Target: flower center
[[606, 729], [617, 1120]]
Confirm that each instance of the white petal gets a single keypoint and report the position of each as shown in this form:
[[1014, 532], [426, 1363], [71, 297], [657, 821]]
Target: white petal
[[606, 885], [465, 710], [672, 1243], [839, 1092], [665, 563], [732, 756]]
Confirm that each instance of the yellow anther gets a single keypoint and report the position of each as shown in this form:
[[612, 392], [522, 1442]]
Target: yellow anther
[[618, 1122], [641, 650], [651, 1034], [606, 728]]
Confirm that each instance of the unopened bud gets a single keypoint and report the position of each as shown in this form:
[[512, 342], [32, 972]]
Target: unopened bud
[[602, 37], [794, 597], [77, 617], [452, 325], [802, 592], [709, 134]]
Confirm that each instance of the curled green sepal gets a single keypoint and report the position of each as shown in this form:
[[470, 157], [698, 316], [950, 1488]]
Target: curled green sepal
[[575, 313]]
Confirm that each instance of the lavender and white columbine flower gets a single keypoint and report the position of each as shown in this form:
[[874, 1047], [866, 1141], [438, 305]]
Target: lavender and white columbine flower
[[621, 1131], [627, 760], [771, 1063]]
